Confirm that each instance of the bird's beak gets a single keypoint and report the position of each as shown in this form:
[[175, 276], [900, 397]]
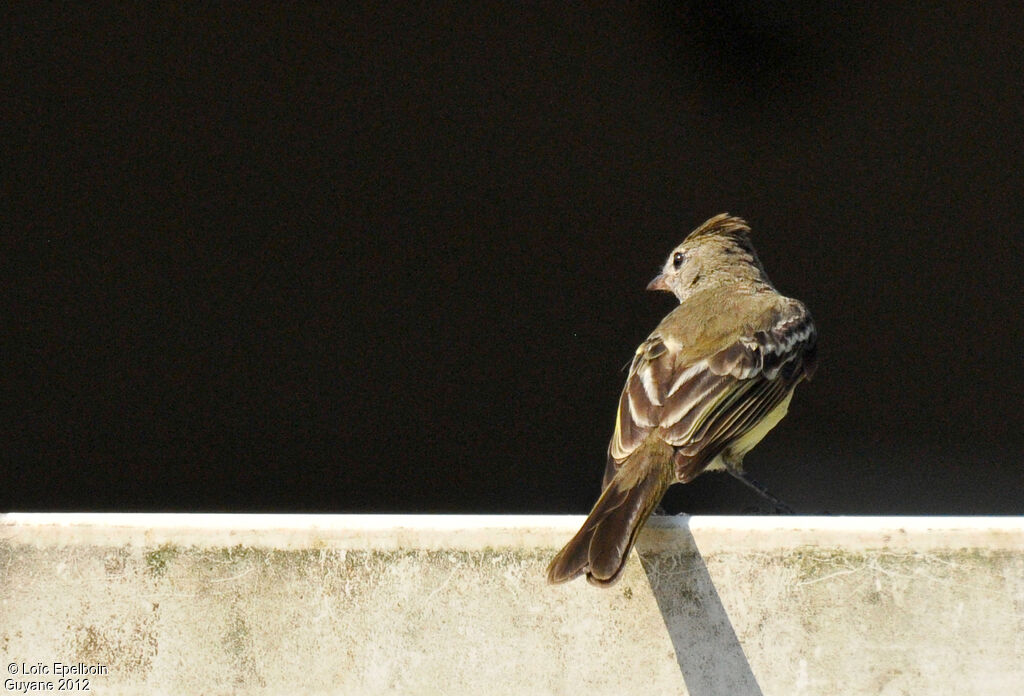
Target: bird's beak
[[658, 283]]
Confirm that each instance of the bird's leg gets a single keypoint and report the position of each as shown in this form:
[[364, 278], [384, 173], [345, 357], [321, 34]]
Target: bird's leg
[[741, 475]]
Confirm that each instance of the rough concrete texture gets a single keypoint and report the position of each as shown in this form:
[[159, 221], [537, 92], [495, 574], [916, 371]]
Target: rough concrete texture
[[191, 604]]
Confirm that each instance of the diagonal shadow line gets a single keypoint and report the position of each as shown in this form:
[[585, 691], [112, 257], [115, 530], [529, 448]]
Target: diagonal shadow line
[[709, 654]]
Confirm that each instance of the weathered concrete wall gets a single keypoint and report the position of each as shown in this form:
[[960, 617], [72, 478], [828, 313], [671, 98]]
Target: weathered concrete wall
[[212, 604]]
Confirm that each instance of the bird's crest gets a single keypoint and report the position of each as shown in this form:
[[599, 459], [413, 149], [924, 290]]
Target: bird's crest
[[725, 225]]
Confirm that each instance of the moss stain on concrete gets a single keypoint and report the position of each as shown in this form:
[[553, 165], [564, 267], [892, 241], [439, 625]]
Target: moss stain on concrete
[[127, 646], [158, 559]]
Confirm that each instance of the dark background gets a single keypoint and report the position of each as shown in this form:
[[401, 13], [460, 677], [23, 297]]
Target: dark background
[[393, 258]]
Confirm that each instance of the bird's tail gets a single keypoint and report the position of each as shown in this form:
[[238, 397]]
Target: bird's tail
[[602, 545]]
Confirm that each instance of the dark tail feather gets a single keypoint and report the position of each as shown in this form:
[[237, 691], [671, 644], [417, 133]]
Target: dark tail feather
[[602, 545]]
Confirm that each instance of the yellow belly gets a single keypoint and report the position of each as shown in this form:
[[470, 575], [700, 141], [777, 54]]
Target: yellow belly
[[735, 452]]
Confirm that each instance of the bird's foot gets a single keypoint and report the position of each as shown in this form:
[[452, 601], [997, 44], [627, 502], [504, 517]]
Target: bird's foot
[[781, 508]]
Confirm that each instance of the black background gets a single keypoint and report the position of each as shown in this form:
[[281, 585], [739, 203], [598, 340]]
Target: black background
[[392, 258]]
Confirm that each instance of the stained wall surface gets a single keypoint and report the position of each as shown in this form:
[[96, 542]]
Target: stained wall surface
[[267, 604]]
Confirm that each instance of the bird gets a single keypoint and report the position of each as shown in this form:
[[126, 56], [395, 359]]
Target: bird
[[710, 381]]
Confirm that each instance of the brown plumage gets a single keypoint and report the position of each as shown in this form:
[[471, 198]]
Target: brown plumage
[[708, 383]]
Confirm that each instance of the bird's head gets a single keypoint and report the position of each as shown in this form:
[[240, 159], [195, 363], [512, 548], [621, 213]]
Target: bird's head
[[717, 252]]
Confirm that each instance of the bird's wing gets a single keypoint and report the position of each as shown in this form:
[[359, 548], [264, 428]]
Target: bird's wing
[[701, 406]]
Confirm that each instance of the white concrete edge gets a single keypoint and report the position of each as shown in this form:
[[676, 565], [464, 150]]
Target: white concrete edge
[[472, 532], [449, 522]]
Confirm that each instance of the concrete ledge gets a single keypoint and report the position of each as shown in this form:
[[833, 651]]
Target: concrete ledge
[[458, 605]]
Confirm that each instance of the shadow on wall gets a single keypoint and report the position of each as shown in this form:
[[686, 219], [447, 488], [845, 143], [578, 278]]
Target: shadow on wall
[[708, 652]]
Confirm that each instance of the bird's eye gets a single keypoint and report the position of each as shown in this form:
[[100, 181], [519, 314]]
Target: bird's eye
[[677, 259]]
